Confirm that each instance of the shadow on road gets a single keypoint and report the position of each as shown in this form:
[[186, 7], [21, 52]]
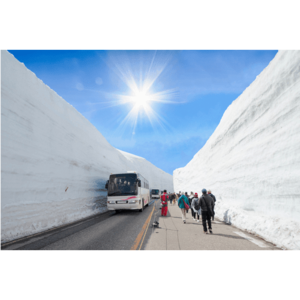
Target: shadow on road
[[229, 236]]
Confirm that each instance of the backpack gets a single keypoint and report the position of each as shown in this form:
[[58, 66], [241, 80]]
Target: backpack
[[197, 204]]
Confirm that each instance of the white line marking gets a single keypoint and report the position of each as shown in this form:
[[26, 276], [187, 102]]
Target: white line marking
[[254, 241]]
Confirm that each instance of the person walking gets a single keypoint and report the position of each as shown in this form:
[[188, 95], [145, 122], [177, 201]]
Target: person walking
[[195, 206], [181, 203], [188, 197], [164, 202], [206, 205], [214, 198], [191, 196], [171, 198], [190, 201], [176, 197]]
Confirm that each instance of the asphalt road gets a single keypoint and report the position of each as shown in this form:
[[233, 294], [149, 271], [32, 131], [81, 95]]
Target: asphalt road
[[124, 230]]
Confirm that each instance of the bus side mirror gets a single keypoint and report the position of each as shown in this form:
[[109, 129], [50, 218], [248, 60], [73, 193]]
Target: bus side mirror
[[106, 184], [139, 183]]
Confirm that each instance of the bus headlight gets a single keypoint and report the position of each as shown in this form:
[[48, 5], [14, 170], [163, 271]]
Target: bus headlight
[[132, 201], [111, 202]]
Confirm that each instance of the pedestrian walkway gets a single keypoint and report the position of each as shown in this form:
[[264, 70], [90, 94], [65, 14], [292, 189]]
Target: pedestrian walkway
[[172, 234]]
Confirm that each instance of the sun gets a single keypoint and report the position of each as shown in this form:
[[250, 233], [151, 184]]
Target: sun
[[141, 99]]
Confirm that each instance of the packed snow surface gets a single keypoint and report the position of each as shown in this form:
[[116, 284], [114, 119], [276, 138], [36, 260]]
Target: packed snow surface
[[54, 161], [252, 160]]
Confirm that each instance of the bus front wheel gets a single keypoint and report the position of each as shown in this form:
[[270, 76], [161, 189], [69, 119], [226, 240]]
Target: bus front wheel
[[141, 209]]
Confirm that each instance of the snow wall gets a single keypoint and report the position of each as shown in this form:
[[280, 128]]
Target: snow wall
[[252, 160], [54, 161]]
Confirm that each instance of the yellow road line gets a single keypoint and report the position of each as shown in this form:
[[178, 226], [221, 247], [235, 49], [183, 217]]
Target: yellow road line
[[144, 235], [146, 229], [140, 235]]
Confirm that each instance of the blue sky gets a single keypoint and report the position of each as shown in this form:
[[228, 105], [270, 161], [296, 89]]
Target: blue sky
[[187, 93]]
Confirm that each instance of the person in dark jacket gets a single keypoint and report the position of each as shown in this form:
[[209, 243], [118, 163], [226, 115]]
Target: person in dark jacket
[[172, 197], [214, 198], [206, 204]]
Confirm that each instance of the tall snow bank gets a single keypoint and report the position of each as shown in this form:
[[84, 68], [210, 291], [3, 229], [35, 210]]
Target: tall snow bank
[[158, 179], [252, 160], [54, 161]]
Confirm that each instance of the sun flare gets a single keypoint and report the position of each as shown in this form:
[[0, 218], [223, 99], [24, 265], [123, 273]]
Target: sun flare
[[142, 91]]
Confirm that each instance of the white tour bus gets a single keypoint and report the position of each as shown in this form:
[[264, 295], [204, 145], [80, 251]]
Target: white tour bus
[[127, 191], [155, 193]]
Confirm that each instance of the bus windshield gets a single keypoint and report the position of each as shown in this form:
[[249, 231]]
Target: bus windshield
[[122, 184], [155, 192]]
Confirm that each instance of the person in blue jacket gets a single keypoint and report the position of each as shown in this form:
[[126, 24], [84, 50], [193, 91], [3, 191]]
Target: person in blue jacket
[[180, 202]]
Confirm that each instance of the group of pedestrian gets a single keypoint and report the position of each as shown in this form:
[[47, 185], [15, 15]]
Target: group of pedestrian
[[203, 207], [173, 197]]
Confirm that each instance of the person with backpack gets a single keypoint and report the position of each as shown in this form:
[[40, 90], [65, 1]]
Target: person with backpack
[[195, 206], [214, 198], [164, 202], [183, 203], [206, 205]]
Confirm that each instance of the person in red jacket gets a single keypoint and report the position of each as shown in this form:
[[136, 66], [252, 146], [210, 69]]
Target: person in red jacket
[[164, 202]]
